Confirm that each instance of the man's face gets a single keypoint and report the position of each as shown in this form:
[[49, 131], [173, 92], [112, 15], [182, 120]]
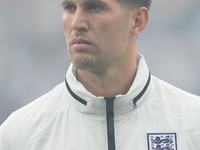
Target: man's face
[[97, 32]]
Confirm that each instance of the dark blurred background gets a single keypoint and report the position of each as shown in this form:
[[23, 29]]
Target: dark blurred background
[[34, 57]]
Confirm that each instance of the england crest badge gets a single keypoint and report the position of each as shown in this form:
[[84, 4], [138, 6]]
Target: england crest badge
[[162, 141]]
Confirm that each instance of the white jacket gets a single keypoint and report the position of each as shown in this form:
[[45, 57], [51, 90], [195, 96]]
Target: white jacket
[[162, 117]]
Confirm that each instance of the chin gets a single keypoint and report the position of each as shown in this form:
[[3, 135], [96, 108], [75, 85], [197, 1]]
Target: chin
[[86, 66]]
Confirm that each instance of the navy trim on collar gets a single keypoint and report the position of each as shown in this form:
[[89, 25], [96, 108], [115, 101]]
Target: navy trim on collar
[[134, 100], [142, 92], [74, 95]]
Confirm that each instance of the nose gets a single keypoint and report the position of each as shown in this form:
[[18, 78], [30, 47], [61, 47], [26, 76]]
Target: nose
[[79, 22]]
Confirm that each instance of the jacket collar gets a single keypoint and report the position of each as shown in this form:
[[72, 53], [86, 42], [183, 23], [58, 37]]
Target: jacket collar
[[85, 102]]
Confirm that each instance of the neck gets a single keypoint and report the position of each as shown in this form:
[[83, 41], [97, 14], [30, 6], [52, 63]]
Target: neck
[[111, 81]]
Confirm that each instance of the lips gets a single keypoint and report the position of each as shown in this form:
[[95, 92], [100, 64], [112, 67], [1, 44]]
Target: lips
[[80, 44], [80, 41]]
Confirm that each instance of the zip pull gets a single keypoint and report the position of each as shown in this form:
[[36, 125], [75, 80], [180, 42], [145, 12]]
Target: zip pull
[[135, 105], [109, 105]]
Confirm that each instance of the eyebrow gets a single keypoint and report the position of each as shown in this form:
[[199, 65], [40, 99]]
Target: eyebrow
[[65, 2]]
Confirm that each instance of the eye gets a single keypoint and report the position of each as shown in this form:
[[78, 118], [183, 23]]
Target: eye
[[94, 8], [70, 8]]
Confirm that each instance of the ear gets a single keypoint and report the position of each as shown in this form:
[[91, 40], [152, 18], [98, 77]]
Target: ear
[[140, 18]]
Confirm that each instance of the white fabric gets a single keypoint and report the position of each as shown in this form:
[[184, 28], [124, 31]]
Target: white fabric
[[57, 121]]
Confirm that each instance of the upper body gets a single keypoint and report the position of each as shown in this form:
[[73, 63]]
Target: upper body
[[111, 102], [58, 120]]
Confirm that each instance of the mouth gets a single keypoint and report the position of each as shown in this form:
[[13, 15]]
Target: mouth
[[80, 43]]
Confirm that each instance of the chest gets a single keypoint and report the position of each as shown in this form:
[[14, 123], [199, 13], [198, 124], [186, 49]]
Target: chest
[[143, 131]]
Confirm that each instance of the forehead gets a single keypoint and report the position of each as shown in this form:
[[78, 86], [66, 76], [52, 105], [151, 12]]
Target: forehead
[[79, 0], [86, 1], [111, 5]]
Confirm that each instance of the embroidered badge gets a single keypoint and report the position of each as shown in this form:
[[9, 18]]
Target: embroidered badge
[[162, 141]]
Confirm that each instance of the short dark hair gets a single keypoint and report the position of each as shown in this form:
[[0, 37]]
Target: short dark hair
[[136, 3]]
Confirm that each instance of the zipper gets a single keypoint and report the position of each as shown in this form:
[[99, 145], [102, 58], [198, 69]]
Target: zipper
[[110, 122], [110, 111]]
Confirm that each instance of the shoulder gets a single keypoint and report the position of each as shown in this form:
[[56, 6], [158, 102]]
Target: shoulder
[[170, 97], [44, 104], [16, 129], [164, 89]]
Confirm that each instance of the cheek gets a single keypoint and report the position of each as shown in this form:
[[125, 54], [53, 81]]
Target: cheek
[[66, 25], [108, 25], [66, 29], [111, 32], [111, 27]]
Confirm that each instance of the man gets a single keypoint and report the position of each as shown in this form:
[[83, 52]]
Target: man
[[109, 100]]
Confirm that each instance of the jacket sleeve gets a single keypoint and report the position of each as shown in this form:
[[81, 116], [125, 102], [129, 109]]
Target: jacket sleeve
[[5, 138], [12, 136]]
